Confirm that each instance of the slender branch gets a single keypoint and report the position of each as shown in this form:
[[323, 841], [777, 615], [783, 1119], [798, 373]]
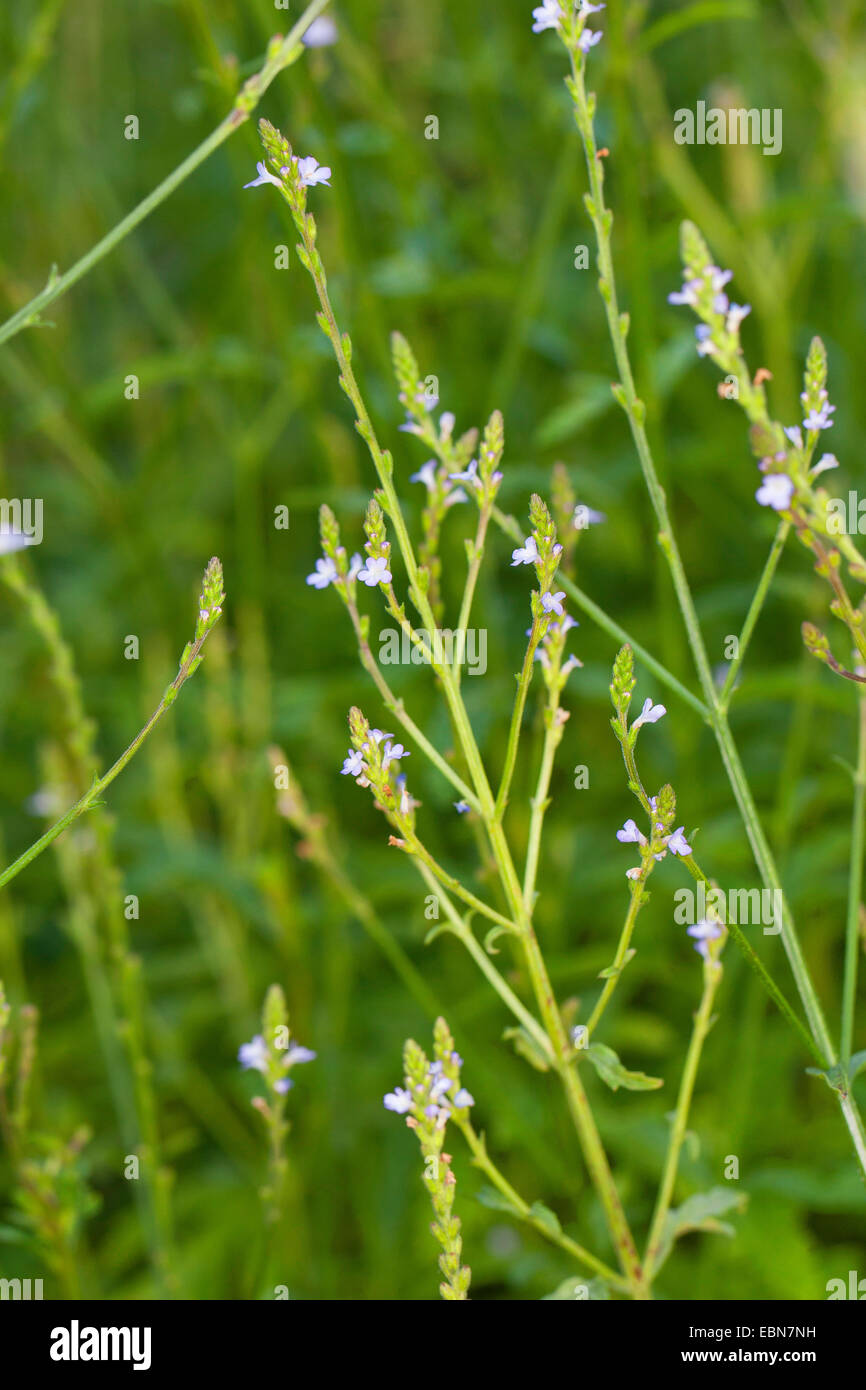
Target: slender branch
[[280, 56], [754, 611], [703, 1023], [481, 1159], [855, 893]]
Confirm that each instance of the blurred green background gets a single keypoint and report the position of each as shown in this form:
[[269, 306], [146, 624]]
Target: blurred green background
[[466, 244]]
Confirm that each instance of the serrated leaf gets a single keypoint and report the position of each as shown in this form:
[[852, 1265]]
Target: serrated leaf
[[578, 1290], [547, 1218], [614, 1074], [489, 1197], [699, 1213], [527, 1047]]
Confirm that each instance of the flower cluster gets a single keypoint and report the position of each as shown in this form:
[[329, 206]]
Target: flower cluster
[[272, 1052], [550, 652], [542, 550], [570, 23], [432, 1094], [703, 933], [370, 760], [334, 567], [663, 840]]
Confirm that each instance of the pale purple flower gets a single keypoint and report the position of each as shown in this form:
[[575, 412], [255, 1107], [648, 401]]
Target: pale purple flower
[[526, 554], [469, 474], [703, 932], [297, 1054], [463, 1098], [377, 736], [794, 433], [687, 295], [819, 417], [703, 333], [718, 278], [393, 752], [454, 496], [265, 176], [736, 314], [587, 516], [310, 171], [284, 1084], [441, 1086], [447, 421], [375, 572], [426, 474], [399, 1100], [11, 541], [587, 8], [552, 603], [353, 764], [462, 807], [825, 461], [254, 1055], [650, 714], [677, 843], [630, 835], [322, 31], [547, 15], [589, 39], [324, 574], [356, 564], [776, 491]]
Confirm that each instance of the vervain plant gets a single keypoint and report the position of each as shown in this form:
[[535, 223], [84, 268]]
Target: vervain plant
[[404, 572], [466, 468]]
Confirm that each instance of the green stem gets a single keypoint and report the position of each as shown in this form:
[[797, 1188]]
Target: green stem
[[754, 611], [248, 98], [91, 797], [485, 964], [511, 528], [855, 893], [703, 1023], [636, 411], [481, 1159], [523, 683]]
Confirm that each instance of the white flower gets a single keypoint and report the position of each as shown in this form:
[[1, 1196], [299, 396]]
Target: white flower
[[547, 15], [650, 714], [552, 603], [375, 572], [776, 491], [265, 176], [526, 554], [321, 32], [399, 1100], [310, 171], [324, 574], [254, 1055]]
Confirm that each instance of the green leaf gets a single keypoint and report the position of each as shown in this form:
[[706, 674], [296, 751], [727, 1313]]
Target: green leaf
[[577, 1290], [613, 970], [527, 1047], [834, 1076], [699, 1213], [547, 1218], [489, 1197], [856, 1065], [614, 1074]]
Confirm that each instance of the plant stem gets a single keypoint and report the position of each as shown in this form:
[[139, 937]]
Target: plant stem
[[511, 528], [855, 893], [91, 797], [481, 1159], [247, 100], [703, 1023], [754, 611]]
